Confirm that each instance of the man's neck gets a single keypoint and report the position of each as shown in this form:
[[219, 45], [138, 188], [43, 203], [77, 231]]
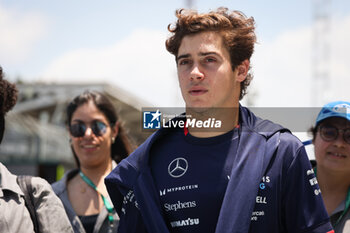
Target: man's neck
[[227, 117]]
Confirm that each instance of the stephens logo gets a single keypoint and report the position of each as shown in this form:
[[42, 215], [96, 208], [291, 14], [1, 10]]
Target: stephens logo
[[179, 205], [151, 120]]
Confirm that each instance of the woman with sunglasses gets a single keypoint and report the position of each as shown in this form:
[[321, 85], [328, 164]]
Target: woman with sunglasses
[[98, 143], [331, 139]]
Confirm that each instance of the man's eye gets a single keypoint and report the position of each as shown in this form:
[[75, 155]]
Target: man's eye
[[210, 59], [183, 62]]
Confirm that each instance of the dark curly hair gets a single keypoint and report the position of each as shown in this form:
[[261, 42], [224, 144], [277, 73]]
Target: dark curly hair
[[8, 99], [235, 28], [122, 145]]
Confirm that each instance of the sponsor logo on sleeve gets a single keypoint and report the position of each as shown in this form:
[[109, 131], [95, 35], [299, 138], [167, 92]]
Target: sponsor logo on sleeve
[[129, 198], [313, 181], [309, 172]]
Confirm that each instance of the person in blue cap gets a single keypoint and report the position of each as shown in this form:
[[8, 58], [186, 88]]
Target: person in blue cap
[[251, 175], [331, 139]]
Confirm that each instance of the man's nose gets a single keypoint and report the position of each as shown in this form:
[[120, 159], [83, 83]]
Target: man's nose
[[196, 73]]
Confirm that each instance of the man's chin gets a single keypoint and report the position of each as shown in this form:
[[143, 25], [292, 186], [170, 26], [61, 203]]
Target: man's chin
[[198, 108]]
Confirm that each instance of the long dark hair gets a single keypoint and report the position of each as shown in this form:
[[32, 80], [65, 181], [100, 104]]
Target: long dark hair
[[8, 99], [122, 145]]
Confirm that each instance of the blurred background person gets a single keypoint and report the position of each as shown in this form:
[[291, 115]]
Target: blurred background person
[[98, 142], [48, 213], [331, 139]]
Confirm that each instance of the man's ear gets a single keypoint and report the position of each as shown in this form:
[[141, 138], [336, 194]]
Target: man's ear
[[242, 70]]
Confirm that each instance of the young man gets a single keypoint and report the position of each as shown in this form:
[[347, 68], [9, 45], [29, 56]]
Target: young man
[[249, 176]]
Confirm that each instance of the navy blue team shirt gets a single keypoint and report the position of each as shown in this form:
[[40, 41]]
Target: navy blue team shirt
[[191, 175]]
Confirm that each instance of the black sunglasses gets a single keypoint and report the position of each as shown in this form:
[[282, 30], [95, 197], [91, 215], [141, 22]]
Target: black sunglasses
[[78, 129], [330, 133]]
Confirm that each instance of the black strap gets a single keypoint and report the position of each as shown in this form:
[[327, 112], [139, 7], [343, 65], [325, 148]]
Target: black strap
[[25, 184]]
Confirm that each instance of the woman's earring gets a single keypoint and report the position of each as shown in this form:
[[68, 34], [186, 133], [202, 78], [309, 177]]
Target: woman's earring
[[113, 140]]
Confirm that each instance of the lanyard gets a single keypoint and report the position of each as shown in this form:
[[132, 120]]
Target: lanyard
[[108, 206], [347, 203]]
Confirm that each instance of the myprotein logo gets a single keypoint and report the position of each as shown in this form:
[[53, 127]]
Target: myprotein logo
[[179, 205], [177, 167], [178, 189]]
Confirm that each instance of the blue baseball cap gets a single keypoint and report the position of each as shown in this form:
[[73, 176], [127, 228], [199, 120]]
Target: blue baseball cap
[[334, 109]]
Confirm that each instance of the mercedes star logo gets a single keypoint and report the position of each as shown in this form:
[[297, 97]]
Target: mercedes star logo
[[178, 167]]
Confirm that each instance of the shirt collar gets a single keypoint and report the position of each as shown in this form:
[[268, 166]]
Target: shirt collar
[[8, 181]]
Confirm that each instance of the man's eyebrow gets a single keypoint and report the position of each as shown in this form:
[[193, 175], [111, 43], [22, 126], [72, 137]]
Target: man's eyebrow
[[200, 54], [208, 53], [183, 56]]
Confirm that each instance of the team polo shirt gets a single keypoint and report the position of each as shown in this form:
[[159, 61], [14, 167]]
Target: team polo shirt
[[191, 175]]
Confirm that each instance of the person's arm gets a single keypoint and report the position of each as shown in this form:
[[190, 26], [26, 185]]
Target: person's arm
[[51, 214], [126, 206]]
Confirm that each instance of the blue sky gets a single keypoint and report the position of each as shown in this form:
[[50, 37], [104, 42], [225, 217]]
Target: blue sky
[[122, 43]]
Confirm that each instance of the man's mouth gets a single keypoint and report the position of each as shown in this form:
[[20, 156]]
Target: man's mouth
[[197, 91]]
